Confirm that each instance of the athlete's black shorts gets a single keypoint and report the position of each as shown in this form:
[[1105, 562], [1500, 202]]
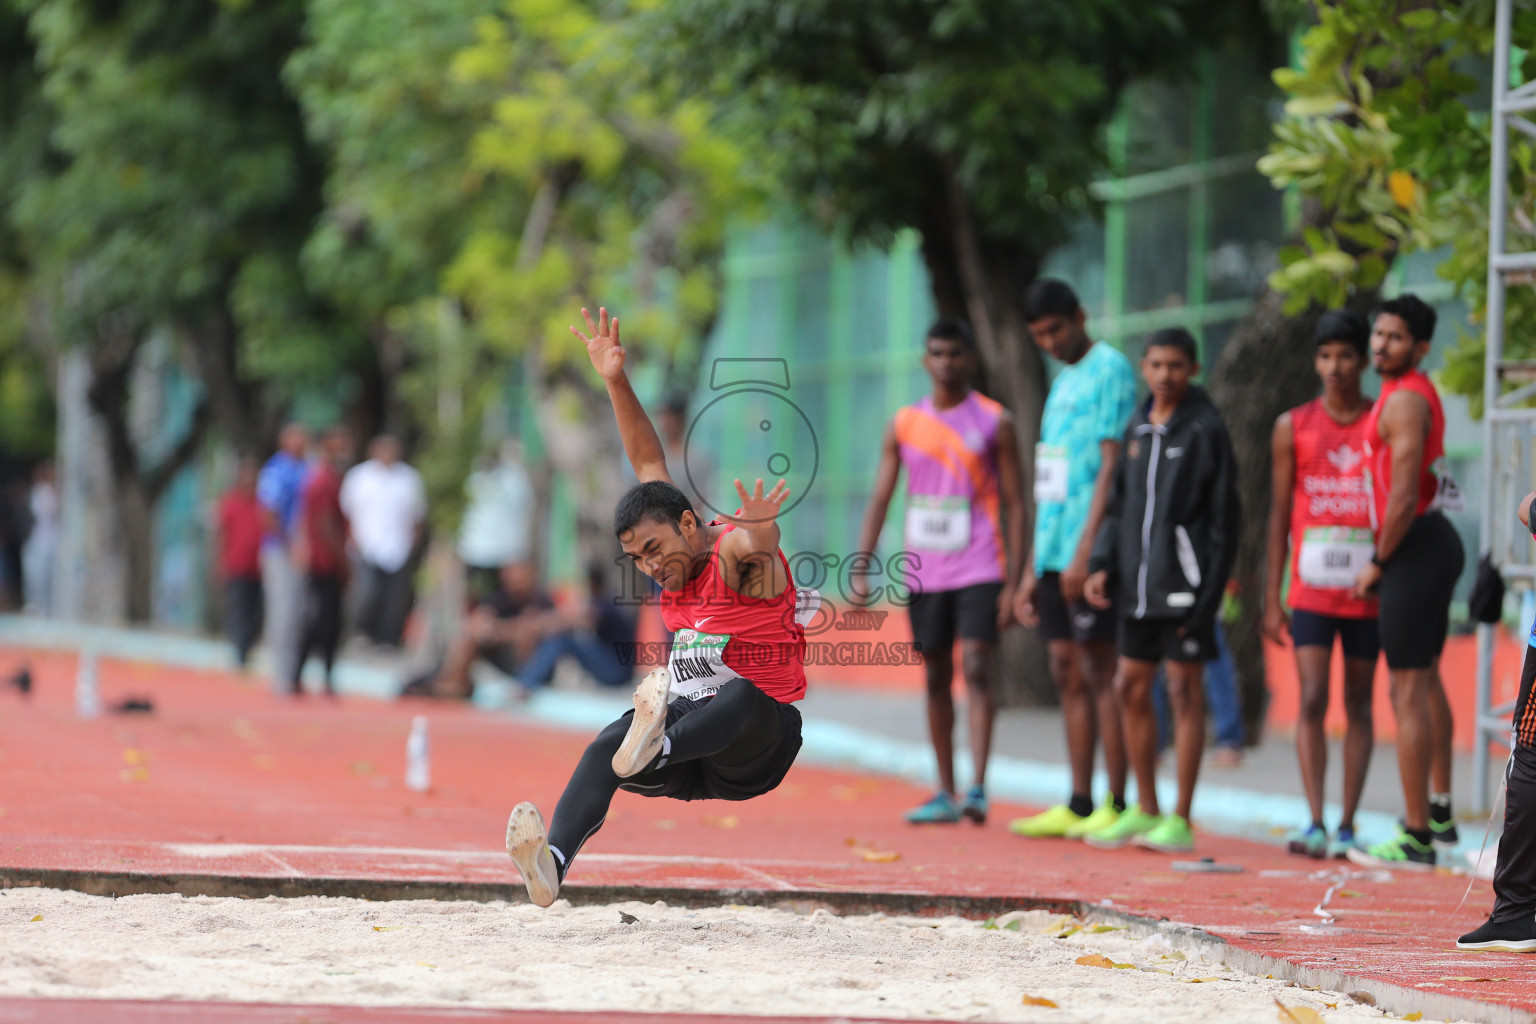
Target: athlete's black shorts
[[1079, 621], [1360, 637], [939, 615], [1159, 640], [705, 778], [1415, 592]]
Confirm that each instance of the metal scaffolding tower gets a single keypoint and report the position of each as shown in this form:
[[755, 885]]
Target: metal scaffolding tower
[[1509, 428]]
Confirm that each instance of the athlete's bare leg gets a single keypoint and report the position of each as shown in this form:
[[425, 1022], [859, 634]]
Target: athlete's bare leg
[[1186, 695], [1133, 685], [976, 657], [1079, 710], [939, 669], [1097, 668], [1359, 731], [1412, 695], [1444, 730], [1311, 741]]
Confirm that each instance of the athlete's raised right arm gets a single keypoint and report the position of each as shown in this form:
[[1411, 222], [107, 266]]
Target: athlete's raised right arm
[[641, 444], [1282, 451]]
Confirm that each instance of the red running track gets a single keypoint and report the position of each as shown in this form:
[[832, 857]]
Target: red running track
[[225, 788]]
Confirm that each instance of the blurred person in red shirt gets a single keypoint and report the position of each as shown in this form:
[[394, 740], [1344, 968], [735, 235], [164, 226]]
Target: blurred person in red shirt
[[320, 551], [243, 524]]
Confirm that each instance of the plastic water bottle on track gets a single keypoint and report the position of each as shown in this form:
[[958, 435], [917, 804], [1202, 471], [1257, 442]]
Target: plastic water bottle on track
[[87, 692], [418, 757]]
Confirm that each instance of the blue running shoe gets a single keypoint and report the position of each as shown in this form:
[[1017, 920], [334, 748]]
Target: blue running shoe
[[1342, 842], [940, 809], [975, 806]]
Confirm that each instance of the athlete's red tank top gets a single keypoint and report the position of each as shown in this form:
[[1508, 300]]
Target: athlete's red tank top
[[1331, 537], [1379, 461], [766, 645]]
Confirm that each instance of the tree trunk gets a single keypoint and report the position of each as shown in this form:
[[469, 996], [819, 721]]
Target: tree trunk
[[984, 281], [237, 403], [1265, 369], [136, 490]]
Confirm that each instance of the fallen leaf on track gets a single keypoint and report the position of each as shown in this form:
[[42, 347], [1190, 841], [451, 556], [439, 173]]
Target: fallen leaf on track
[[39, 917], [729, 821], [1298, 1014], [1465, 978], [1095, 960], [1038, 1001], [880, 856]]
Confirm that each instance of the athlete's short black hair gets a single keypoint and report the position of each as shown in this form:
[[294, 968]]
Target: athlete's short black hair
[[952, 328], [1175, 337], [1050, 297], [654, 501], [1343, 325], [1416, 313]]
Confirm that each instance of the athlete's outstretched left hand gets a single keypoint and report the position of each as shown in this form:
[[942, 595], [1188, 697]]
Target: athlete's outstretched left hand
[[757, 509]]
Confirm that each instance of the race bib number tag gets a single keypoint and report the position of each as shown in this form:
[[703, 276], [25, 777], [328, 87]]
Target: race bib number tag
[[1332, 557], [1050, 473], [1448, 496], [697, 664], [937, 523]]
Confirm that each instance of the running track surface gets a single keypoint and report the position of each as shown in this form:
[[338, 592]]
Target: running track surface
[[226, 789]]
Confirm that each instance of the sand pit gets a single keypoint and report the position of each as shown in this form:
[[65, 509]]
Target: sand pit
[[668, 959]]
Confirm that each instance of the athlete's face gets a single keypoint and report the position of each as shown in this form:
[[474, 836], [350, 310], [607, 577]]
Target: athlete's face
[[1339, 364], [1167, 371], [1393, 350], [950, 363], [1061, 337], [664, 551]]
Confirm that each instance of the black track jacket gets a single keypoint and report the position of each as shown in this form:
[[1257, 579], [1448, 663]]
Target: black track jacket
[[1169, 535]]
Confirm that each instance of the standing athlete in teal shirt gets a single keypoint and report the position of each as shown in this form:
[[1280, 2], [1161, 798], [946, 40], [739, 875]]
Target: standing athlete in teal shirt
[[1091, 401]]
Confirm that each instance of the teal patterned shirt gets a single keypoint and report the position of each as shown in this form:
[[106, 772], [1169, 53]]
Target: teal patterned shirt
[[1090, 401]]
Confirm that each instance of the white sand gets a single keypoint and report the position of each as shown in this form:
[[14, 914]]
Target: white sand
[[723, 960]]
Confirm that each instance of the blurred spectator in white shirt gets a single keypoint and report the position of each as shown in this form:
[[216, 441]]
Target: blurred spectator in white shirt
[[386, 504]]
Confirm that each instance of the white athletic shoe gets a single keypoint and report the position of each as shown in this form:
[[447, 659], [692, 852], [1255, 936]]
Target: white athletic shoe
[[528, 845], [643, 741]]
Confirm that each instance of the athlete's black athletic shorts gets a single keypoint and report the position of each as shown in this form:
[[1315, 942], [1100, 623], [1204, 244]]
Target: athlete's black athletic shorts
[[1415, 592], [1159, 640], [706, 778], [1360, 637], [1079, 621], [939, 615]]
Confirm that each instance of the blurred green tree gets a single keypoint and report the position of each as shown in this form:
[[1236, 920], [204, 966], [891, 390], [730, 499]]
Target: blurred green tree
[[175, 193], [977, 122]]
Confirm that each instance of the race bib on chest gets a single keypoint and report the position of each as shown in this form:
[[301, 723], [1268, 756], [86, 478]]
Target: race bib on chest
[[697, 664], [1050, 473], [938, 523], [1332, 557]]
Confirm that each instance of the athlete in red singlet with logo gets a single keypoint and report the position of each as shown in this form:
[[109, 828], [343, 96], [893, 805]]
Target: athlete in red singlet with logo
[[1320, 515], [1417, 560], [730, 731]]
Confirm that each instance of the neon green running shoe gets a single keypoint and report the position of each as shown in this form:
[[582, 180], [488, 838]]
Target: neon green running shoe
[[1103, 816], [1131, 823], [1171, 835], [1047, 824], [1404, 852]]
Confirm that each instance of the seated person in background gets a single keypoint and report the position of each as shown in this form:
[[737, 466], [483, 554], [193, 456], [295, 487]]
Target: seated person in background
[[504, 629], [600, 636]]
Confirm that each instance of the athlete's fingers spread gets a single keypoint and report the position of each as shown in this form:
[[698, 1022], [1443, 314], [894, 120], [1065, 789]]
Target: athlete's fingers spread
[[616, 334], [602, 320], [588, 318], [741, 492]]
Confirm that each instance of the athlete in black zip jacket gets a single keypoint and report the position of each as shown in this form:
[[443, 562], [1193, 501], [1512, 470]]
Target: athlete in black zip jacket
[[1166, 545]]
